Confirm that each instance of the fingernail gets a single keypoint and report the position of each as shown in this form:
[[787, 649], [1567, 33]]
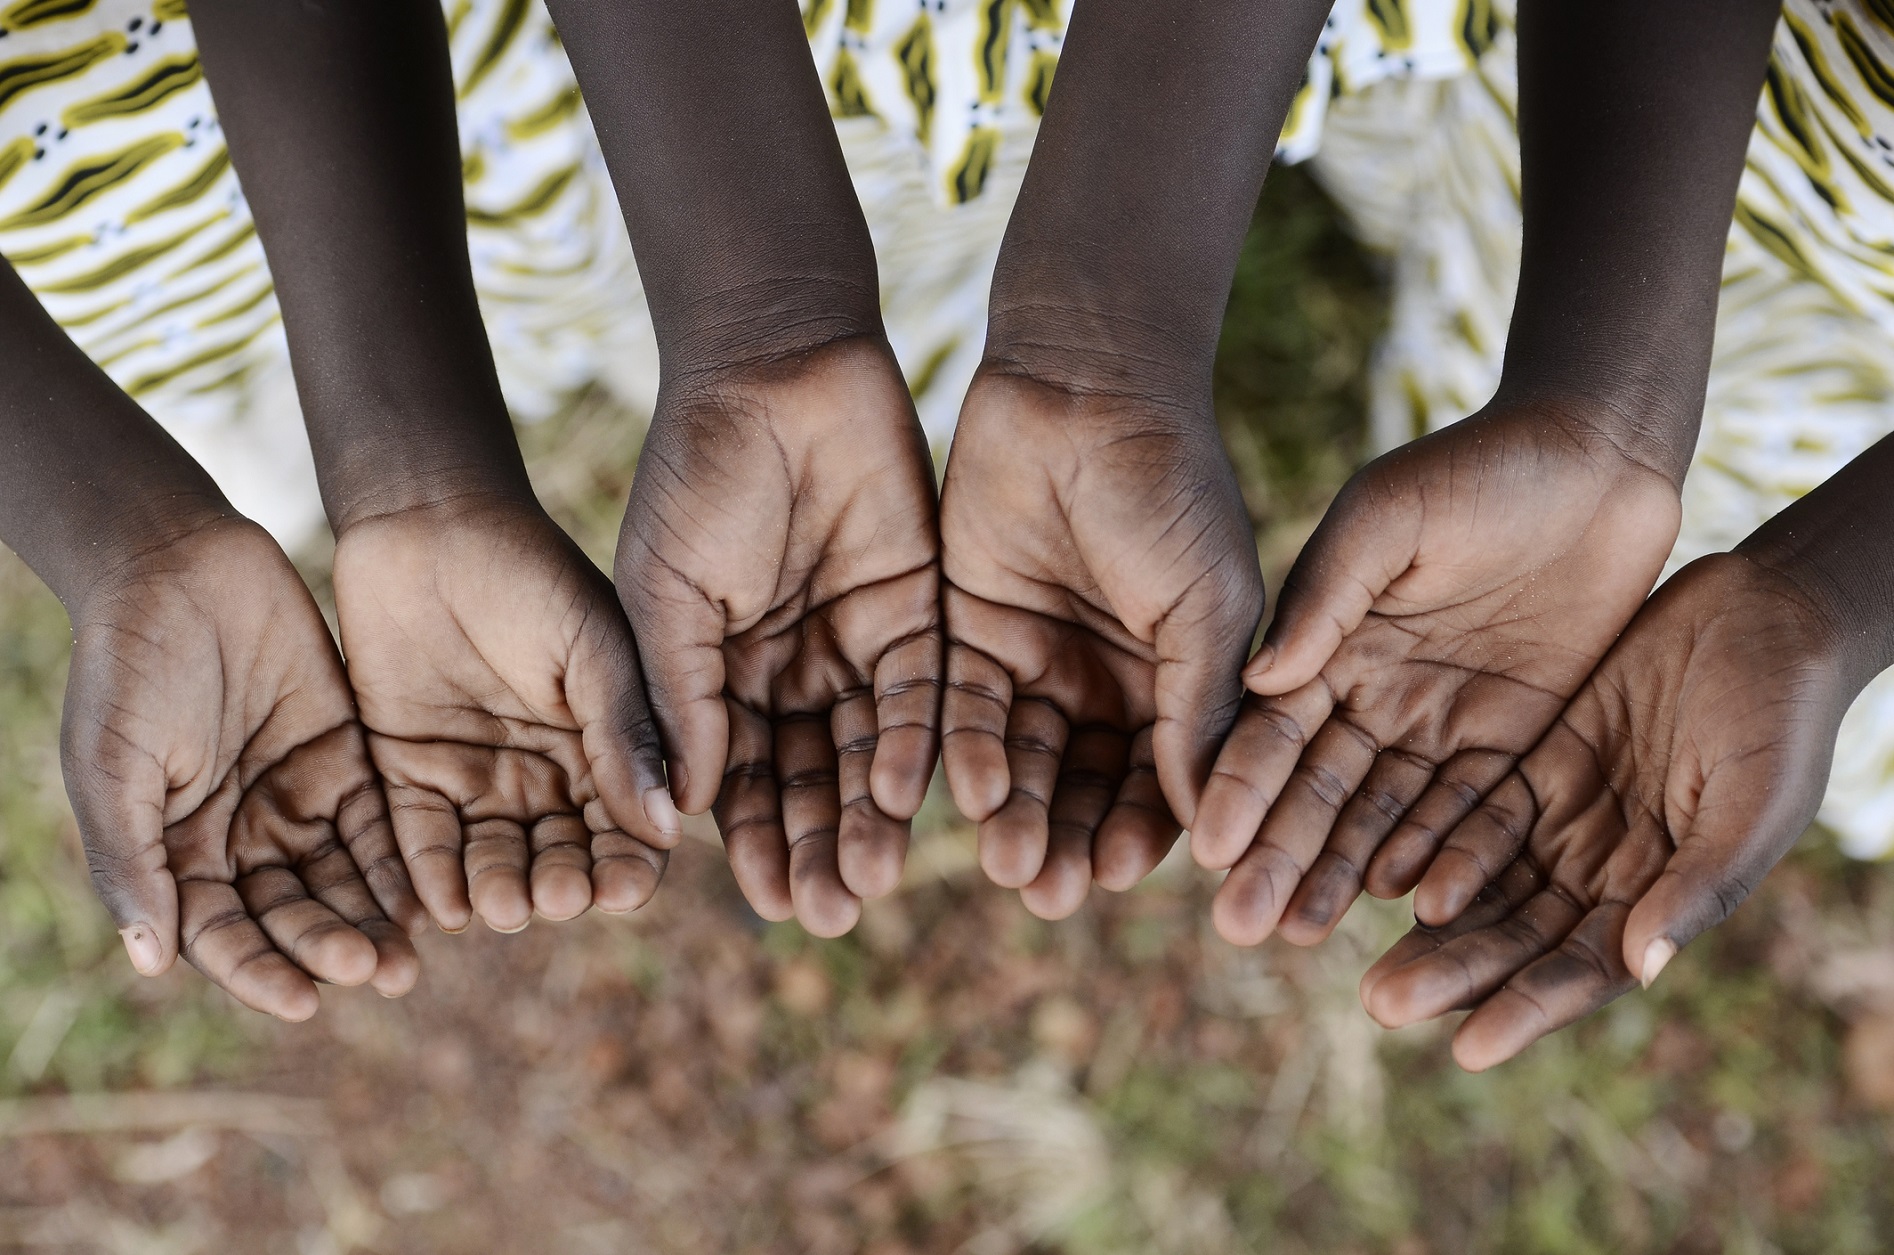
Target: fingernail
[[662, 811], [1259, 665], [1656, 955], [141, 943]]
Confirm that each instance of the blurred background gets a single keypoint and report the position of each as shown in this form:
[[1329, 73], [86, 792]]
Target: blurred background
[[955, 1076]]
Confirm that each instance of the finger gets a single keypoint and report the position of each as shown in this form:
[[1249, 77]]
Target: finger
[[1012, 841], [1089, 775], [427, 830], [497, 857], [1579, 977], [871, 847], [605, 691], [1139, 829], [363, 824], [1334, 880], [1459, 786], [812, 816], [625, 871], [1468, 968], [750, 816], [1200, 646], [560, 876], [324, 861], [1748, 816], [1497, 901], [118, 801], [907, 716], [1342, 570], [680, 638], [314, 937], [1484, 844], [223, 941], [974, 711], [1254, 765], [1258, 889]]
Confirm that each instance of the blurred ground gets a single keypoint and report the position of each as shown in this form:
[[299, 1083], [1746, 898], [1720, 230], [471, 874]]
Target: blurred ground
[[956, 1076]]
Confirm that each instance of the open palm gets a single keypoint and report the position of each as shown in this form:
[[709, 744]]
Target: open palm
[[225, 797], [1680, 774], [1102, 589], [497, 677], [780, 563], [1456, 594]]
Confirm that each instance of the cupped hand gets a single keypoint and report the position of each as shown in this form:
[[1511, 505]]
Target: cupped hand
[[780, 563], [1456, 594], [1683, 770], [1102, 590], [498, 681], [223, 792]]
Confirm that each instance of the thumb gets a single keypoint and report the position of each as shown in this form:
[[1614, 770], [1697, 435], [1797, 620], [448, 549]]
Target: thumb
[[1750, 814], [679, 636], [606, 693], [1359, 549], [117, 797], [1200, 648]]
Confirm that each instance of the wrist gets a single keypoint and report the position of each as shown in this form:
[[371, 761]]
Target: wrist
[[734, 326], [142, 542], [1649, 425], [1094, 349], [1848, 592]]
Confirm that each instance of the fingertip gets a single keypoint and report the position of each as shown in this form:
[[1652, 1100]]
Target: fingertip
[[1236, 919], [831, 917], [397, 965], [660, 810], [346, 957], [621, 885], [298, 1004], [897, 781], [1011, 853], [561, 892], [148, 954], [1445, 892], [979, 783]]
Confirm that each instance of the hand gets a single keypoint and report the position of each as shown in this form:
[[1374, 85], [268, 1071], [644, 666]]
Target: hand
[[218, 774], [1102, 589], [1681, 773], [500, 687], [1456, 594], [780, 564]]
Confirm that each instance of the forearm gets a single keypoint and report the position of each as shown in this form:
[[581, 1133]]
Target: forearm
[[1633, 122], [750, 242], [88, 480], [1838, 543], [340, 120], [1162, 122]]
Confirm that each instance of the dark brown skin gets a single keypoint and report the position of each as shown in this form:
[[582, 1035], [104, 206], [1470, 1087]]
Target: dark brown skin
[[211, 748], [494, 668], [1460, 589], [1683, 770], [1102, 581], [779, 558]]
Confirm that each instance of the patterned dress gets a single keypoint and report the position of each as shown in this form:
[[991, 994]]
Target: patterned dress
[[119, 207]]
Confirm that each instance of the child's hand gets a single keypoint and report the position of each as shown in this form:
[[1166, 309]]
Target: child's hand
[[1102, 588], [780, 563], [1455, 595], [1684, 769], [497, 677], [218, 774]]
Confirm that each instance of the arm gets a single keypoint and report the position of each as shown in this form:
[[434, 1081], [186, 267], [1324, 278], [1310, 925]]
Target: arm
[[779, 556], [1678, 777], [494, 670], [209, 744], [1102, 577], [1462, 587]]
